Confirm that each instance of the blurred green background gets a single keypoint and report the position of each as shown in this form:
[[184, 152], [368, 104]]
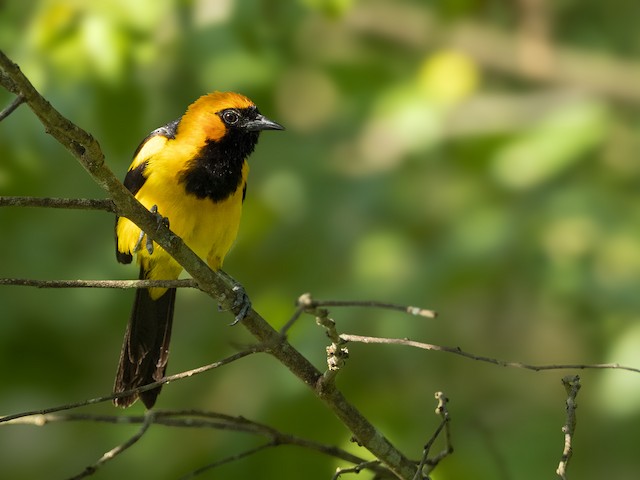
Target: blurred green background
[[476, 157]]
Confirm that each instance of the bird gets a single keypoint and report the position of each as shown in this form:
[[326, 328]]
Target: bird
[[192, 173]]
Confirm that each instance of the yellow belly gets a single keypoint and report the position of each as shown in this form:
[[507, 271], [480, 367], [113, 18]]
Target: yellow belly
[[208, 228]]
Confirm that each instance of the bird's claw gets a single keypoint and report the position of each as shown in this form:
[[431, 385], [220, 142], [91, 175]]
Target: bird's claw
[[242, 302], [149, 243]]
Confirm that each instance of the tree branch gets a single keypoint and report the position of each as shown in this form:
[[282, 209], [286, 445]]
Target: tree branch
[[114, 452], [307, 304], [431, 463], [87, 150], [205, 419], [502, 363], [143, 388], [229, 459], [26, 282], [70, 203]]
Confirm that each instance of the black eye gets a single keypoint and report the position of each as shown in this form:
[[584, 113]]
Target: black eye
[[230, 117]]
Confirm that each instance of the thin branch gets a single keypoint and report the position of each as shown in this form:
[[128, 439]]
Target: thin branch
[[294, 318], [193, 417], [502, 363], [26, 282], [572, 386], [203, 419], [143, 388], [69, 203], [229, 459], [114, 452], [441, 409], [309, 305], [308, 302], [355, 469], [425, 461], [19, 100]]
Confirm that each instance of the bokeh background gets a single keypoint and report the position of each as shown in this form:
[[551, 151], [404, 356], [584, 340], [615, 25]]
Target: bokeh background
[[478, 157]]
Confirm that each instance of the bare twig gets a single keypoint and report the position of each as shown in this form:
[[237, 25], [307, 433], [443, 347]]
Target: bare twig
[[229, 459], [19, 100], [441, 409], [294, 318], [25, 282], [306, 301], [68, 203], [355, 469], [114, 452], [502, 363], [572, 386], [144, 388], [425, 461], [308, 304]]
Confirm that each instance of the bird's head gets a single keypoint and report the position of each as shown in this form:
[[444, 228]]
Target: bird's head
[[220, 113]]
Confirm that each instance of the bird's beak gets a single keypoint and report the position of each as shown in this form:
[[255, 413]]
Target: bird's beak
[[262, 123]]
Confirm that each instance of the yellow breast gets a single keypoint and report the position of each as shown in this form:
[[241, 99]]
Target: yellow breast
[[208, 228]]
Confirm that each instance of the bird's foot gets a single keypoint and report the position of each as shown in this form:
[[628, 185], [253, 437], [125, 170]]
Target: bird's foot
[[149, 243], [241, 304]]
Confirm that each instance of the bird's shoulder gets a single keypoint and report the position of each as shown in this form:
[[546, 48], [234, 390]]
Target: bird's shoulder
[[154, 142], [150, 146]]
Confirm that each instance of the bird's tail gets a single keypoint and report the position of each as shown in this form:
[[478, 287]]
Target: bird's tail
[[145, 349]]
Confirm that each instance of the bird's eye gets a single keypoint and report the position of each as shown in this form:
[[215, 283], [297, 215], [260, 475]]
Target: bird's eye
[[230, 117]]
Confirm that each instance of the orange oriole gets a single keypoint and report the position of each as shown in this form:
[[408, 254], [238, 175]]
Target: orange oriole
[[193, 172]]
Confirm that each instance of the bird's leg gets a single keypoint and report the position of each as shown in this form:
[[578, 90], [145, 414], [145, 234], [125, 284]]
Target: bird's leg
[[242, 302], [149, 243]]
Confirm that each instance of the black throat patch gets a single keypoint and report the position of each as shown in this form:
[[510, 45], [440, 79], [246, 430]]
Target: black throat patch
[[216, 172]]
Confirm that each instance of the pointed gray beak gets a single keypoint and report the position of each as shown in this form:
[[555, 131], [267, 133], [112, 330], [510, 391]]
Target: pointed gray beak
[[262, 123]]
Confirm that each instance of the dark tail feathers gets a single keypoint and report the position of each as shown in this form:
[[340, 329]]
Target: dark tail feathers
[[145, 349]]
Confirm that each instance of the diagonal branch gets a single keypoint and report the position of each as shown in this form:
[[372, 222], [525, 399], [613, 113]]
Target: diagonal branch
[[8, 419], [19, 100], [88, 152], [229, 459], [114, 452]]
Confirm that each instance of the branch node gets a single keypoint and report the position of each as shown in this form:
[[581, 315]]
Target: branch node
[[305, 301], [337, 352]]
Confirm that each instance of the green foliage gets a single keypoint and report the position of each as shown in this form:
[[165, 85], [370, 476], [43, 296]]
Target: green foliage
[[410, 172]]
